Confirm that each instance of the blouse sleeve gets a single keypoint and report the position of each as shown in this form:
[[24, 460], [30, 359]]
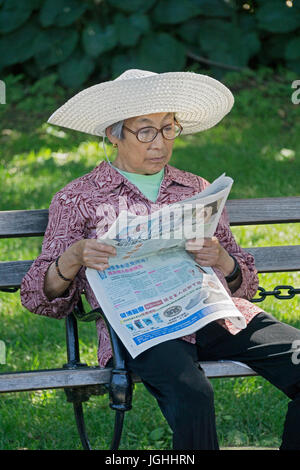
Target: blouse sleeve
[[249, 282], [65, 227]]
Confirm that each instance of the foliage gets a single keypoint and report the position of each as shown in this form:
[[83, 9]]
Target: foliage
[[95, 40]]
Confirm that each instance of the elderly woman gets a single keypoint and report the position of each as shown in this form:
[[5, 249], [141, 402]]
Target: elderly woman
[[141, 113]]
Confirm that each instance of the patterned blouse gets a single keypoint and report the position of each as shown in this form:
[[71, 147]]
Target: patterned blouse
[[83, 209]]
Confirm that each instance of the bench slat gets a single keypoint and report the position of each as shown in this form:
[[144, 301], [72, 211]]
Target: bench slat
[[55, 378], [263, 210], [64, 378], [25, 223], [267, 259], [12, 273], [276, 259]]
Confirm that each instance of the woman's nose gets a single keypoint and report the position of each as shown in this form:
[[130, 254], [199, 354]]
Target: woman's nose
[[159, 140]]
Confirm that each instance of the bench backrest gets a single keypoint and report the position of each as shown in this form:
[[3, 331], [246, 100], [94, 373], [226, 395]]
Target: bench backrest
[[32, 223]]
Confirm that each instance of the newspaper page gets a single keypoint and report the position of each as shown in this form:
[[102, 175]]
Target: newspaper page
[[155, 291]]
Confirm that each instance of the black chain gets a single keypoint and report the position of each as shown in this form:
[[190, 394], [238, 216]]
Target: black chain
[[263, 293], [277, 292]]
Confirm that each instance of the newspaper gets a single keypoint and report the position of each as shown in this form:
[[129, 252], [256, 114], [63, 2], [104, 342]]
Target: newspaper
[[154, 290]]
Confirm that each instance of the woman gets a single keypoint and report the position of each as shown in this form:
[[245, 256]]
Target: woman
[[141, 113]]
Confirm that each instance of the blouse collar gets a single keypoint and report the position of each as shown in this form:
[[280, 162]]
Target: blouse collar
[[106, 175]]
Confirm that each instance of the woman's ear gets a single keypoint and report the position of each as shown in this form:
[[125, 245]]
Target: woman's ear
[[110, 137]]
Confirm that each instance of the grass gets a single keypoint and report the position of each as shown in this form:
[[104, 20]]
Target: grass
[[257, 144]]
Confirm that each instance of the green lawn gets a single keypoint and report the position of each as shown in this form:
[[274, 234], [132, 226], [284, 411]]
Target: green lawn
[[257, 144]]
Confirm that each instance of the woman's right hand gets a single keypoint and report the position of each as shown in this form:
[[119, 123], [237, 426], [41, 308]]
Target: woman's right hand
[[87, 252], [92, 254]]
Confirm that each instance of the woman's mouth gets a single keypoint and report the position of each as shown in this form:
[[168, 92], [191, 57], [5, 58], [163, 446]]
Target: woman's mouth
[[156, 159]]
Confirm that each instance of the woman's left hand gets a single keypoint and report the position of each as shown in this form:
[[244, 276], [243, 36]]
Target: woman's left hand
[[209, 252]]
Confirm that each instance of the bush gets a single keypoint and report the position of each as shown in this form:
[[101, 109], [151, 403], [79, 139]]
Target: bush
[[95, 40]]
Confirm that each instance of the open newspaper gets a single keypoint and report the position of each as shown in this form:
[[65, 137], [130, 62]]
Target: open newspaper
[[154, 290]]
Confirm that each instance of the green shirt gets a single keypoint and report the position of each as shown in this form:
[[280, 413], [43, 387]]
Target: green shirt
[[149, 185]]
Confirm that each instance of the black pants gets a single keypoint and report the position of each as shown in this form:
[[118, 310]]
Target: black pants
[[170, 371]]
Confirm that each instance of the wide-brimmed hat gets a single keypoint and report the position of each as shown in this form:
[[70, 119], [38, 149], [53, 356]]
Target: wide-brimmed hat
[[198, 101]]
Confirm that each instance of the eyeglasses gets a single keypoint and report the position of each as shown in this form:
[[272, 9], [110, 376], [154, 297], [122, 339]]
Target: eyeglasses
[[148, 134]]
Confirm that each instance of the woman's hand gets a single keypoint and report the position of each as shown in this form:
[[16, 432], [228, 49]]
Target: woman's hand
[[92, 254], [209, 252], [87, 252]]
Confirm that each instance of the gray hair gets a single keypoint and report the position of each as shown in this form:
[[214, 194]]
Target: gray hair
[[117, 130]]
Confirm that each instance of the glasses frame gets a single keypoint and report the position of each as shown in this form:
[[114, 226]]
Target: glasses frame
[[157, 132]]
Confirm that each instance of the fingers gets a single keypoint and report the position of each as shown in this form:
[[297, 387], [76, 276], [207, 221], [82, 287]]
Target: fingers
[[197, 244], [103, 247], [205, 260], [206, 251], [96, 255]]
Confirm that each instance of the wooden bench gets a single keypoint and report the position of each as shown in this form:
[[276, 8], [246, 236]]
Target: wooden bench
[[81, 381]]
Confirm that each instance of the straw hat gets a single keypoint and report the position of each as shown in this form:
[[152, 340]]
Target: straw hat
[[199, 101]]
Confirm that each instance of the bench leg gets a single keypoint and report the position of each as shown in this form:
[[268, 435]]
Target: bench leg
[[76, 396], [79, 417], [119, 419], [120, 386]]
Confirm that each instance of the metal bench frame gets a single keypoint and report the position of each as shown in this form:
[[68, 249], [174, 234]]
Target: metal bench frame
[[81, 381]]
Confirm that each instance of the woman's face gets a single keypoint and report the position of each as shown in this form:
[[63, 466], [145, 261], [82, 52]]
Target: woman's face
[[140, 157]]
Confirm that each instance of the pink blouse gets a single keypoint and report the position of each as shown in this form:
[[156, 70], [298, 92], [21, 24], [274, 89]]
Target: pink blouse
[[86, 208]]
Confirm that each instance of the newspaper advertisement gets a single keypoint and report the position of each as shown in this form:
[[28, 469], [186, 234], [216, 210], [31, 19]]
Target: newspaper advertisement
[[153, 290]]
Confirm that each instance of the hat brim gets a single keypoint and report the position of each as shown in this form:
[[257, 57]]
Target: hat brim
[[199, 101]]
